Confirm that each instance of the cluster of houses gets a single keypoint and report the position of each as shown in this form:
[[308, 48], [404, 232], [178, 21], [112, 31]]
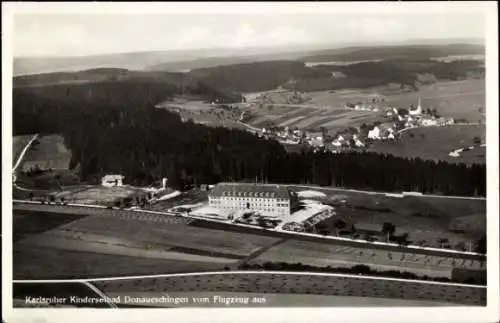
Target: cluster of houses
[[456, 153], [287, 135], [361, 107], [397, 119], [416, 117]]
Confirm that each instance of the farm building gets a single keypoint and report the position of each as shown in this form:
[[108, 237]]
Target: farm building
[[374, 133], [112, 180], [270, 200], [428, 122]]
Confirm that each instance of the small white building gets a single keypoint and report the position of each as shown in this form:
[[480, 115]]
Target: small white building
[[374, 133], [358, 143], [336, 143], [429, 122], [112, 180]]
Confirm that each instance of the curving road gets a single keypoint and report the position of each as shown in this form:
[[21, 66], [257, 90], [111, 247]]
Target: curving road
[[23, 152]]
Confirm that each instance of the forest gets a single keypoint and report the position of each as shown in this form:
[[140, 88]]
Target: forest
[[409, 52], [262, 76], [114, 127]]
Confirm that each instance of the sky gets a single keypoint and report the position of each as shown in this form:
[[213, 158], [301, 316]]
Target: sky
[[91, 33]]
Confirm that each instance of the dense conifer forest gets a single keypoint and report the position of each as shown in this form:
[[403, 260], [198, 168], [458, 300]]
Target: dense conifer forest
[[114, 127]]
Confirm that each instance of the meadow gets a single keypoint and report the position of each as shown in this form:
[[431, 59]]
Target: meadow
[[36, 262], [435, 143], [48, 152], [425, 219], [123, 237], [335, 256], [458, 99]]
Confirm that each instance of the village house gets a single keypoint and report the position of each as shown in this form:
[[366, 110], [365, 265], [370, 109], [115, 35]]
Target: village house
[[357, 142], [338, 142], [112, 180], [426, 122], [374, 133]]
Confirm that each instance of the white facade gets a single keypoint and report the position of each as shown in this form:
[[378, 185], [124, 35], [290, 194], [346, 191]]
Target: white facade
[[429, 122], [374, 133], [269, 200], [112, 180], [268, 206], [336, 143]]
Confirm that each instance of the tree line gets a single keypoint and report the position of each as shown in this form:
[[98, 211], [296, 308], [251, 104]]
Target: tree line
[[467, 278], [124, 133]]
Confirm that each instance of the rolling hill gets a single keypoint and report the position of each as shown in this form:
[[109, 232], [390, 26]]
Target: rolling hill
[[394, 52]]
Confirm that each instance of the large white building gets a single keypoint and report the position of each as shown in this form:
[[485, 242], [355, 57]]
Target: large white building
[[268, 199]]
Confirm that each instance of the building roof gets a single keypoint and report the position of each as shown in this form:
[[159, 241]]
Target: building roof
[[113, 177], [251, 190]]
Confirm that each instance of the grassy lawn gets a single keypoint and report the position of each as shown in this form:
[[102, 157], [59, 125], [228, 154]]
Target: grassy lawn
[[27, 223], [300, 284], [33, 262], [48, 152], [156, 236], [436, 143], [102, 195], [458, 99], [424, 218], [322, 255]]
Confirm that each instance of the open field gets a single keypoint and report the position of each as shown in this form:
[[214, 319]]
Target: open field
[[33, 262], [203, 113], [458, 99], [18, 144], [48, 152], [436, 143], [305, 284], [423, 218], [323, 255], [309, 116], [25, 224], [153, 237], [274, 300], [102, 195], [451, 58], [146, 236]]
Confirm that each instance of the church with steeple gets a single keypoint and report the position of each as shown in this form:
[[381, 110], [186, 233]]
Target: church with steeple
[[418, 110]]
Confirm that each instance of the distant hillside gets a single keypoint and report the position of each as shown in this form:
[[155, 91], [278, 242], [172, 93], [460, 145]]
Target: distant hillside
[[112, 87], [152, 60], [394, 52], [254, 77], [187, 65], [94, 75], [268, 75]]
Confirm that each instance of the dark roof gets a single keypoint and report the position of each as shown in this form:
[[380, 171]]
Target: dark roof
[[251, 190]]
